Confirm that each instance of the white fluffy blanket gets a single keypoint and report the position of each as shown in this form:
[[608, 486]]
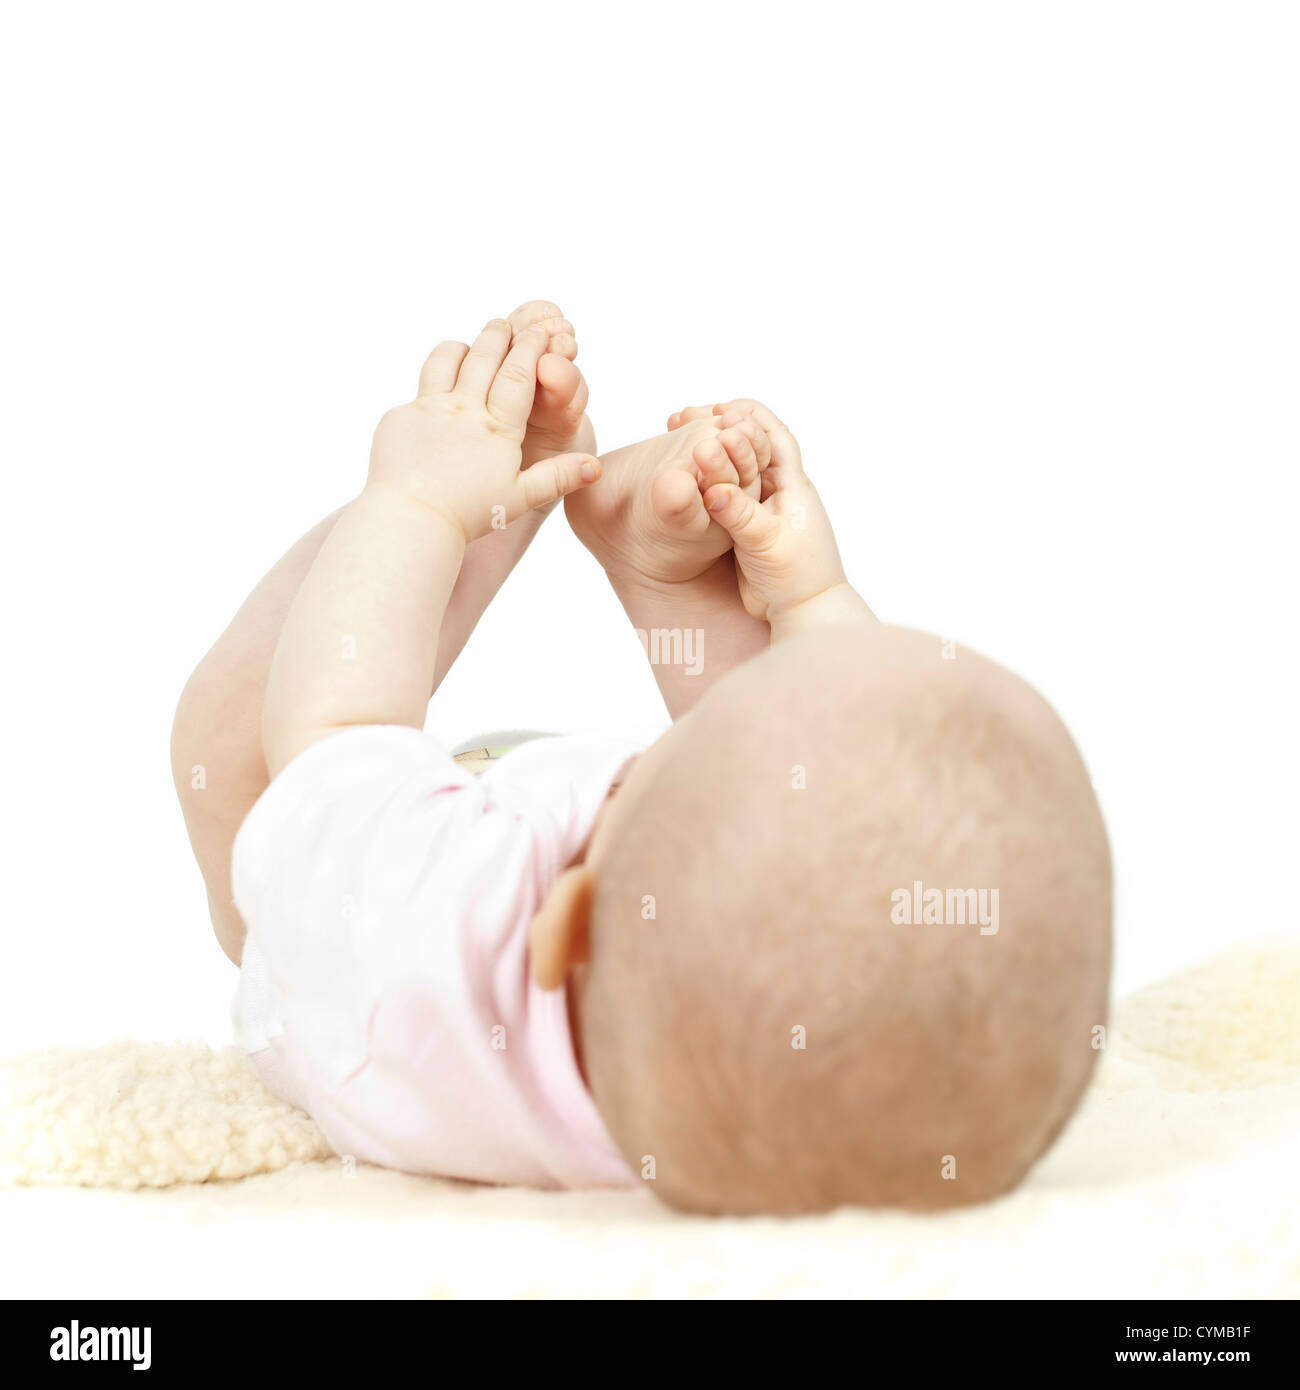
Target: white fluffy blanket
[[146, 1169]]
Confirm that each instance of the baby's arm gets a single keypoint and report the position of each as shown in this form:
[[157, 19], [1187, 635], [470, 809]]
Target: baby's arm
[[788, 566], [360, 643]]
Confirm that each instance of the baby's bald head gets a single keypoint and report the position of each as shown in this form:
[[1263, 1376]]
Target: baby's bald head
[[765, 1013]]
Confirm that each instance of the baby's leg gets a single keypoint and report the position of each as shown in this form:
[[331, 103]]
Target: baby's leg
[[217, 762], [668, 562]]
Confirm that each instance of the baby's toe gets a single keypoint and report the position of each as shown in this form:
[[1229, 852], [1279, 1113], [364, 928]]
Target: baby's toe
[[561, 398], [545, 316], [746, 405], [559, 378], [560, 335], [534, 312], [679, 504], [692, 412]]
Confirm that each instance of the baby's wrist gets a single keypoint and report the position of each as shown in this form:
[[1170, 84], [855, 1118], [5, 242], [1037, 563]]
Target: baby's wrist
[[838, 603], [429, 509]]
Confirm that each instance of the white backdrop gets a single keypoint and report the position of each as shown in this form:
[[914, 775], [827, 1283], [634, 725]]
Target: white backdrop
[[1023, 278]]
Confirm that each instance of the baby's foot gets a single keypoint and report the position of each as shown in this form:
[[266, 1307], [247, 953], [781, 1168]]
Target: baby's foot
[[557, 424], [645, 519]]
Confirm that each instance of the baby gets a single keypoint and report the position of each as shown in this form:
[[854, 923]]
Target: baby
[[840, 936]]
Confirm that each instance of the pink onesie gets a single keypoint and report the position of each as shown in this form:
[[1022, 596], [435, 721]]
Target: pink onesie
[[385, 985]]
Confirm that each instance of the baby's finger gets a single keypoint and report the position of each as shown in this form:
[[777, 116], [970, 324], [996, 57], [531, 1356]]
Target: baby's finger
[[741, 453], [785, 448], [752, 431], [752, 530], [758, 437], [554, 478], [510, 397], [712, 464], [483, 360], [438, 375]]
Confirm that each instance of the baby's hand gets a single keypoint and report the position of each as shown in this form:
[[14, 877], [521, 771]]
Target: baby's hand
[[784, 546], [457, 448]]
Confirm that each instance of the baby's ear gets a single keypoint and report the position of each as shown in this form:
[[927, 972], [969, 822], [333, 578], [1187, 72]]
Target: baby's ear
[[558, 937]]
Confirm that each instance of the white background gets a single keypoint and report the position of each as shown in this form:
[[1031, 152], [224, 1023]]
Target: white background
[[1023, 278]]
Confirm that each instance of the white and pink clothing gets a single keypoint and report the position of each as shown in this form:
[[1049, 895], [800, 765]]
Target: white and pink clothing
[[385, 984]]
